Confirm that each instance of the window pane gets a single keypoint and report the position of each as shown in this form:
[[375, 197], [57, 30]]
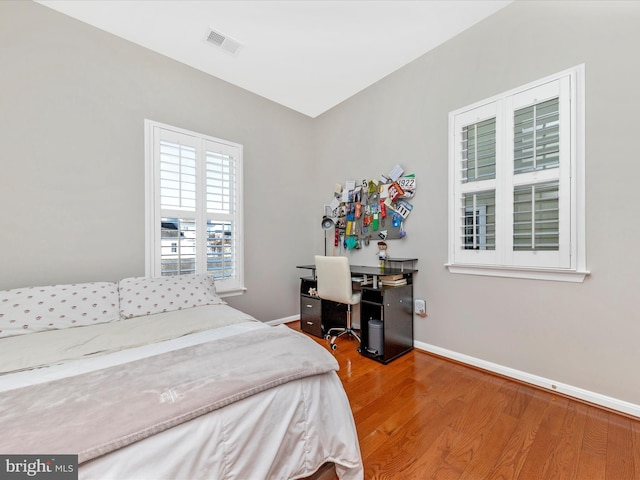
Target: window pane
[[177, 246], [177, 176], [220, 181], [536, 217], [536, 137], [479, 221], [479, 151], [220, 249]]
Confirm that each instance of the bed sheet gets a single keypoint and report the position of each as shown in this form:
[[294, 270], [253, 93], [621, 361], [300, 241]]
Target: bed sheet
[[52, 347], [82, 365]]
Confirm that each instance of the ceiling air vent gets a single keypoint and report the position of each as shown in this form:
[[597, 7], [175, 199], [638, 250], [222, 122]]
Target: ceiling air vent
[[223, 41]]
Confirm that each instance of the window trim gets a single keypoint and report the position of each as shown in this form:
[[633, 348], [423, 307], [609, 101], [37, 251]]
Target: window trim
[[491, 265], [153, 212]]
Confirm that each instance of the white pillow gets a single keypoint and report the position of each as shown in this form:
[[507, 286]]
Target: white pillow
[[147, 295], [35, 309]]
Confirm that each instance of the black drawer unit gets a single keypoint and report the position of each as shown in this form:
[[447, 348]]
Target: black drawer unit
[[311, 315], [317, 316]]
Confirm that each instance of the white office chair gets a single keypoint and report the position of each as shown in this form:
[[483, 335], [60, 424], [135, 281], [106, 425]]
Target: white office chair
[[334, 283]]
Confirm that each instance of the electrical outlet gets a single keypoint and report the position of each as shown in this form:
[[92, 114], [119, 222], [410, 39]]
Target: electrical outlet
[[420, 307]]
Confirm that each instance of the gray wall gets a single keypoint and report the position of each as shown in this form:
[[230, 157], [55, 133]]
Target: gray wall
[[584, 335], [72, 104], [73, 100]]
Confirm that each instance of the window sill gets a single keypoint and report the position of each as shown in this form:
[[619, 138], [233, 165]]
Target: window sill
[[231, 292], [551, 274]]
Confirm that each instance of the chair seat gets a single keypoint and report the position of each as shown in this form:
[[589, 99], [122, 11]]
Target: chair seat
[[355, 298]]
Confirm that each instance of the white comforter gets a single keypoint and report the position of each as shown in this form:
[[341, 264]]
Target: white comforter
[[285, 432]]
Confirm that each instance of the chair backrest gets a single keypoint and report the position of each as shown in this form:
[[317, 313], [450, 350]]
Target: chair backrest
[[334, 279]]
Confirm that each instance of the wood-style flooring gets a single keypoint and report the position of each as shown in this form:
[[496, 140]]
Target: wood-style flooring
[[425, 417]]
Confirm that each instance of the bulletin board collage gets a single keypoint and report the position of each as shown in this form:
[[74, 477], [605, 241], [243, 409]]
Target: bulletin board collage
[[370, 211]]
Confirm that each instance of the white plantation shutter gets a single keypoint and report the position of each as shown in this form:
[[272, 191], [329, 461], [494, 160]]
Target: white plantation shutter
[[538, 180], [176, 165], [479, 151], [194, 211], [516, 167], [221, 178], [537, 137], [221, 205], [536, 217], [536, 142], [177, 176], [475, 143]]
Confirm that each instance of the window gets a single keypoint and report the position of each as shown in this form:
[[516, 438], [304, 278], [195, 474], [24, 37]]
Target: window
[[194, 207], [516, 168], [479, 221]]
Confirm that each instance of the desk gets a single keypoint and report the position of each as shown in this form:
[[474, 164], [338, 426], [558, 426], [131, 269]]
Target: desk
[[393, 305]]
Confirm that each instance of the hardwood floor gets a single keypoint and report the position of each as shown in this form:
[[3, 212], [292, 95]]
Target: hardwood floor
[[424, 417]]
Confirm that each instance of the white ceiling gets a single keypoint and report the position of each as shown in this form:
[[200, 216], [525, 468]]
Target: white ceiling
[[306, 55]]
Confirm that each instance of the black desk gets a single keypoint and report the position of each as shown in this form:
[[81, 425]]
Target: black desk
[[393, 305]]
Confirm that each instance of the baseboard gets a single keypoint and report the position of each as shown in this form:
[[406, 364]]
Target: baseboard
[[278, 321], [553, 386], [295, 318]]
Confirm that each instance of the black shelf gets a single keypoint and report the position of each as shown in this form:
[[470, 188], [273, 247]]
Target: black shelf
[[393, 306]]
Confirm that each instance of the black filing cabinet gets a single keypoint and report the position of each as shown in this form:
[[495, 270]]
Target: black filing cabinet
[[310, 308], [311, 315]]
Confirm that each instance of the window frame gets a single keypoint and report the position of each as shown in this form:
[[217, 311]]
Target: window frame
[[569, 263], [154, 212]]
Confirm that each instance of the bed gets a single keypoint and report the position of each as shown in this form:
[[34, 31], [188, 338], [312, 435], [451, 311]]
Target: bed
[[161, 379]]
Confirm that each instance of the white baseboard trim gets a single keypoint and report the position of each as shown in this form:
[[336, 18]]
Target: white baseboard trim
[[576, 392], [278, 321]]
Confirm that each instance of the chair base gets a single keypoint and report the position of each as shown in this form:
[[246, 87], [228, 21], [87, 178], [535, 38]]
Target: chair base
[[343, 331]]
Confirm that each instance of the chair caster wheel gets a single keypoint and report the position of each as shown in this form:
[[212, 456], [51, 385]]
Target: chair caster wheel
[[333, 346]]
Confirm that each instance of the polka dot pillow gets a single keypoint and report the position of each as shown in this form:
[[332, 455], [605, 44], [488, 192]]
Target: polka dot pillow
[[35, 309], [146, 295]]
